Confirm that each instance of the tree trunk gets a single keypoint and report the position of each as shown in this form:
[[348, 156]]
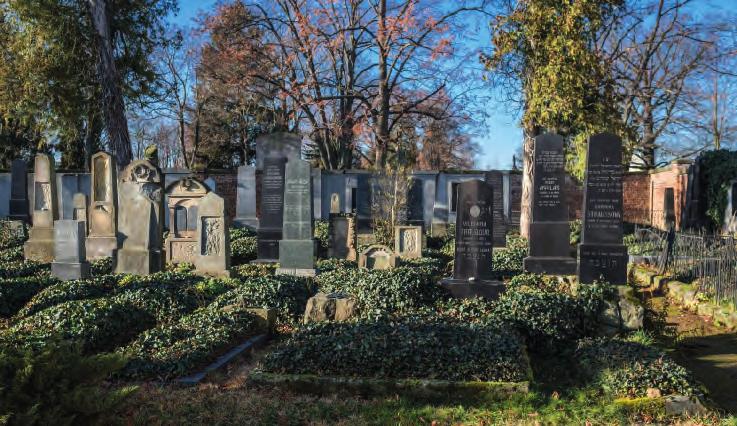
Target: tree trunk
[[382, 121], [528, 150], [182, 126], [113, 104]]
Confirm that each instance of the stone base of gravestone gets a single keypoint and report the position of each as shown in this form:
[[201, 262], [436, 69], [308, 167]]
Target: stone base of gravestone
[[550, 252], [300, 255], [99, 247], [602, 262], [267, 246], [550, 265], [467, 289], [18, 210], [138, 262], [70, 271], [40, 245]]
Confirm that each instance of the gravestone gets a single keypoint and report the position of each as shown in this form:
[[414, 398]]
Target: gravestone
[[213, 237], [334, 203], [472, 272], [499, 224], [245, 212], [669, 208], [70, 261], [71, 184], [102, 240], [378, 257], [184, 198], [416, 203], [79, 212], [40, 244], [549, 231], [140, 224], [272, 210], [342, 237], [297, 246], [277, 145], [408, 242], [602, 256], [363, 202], [18, 204]]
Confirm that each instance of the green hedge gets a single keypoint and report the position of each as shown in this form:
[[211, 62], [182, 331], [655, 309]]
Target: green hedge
[[10, 237], [16, 292], [508, 261], [400, 350], [629, 369], [12, 254], [64, 291], [172, 350], [431, 266], [285, 293], [389, 292], [327, 265], [322, 236], [58, 386], [243, 244], [19, 268], [524, 282]]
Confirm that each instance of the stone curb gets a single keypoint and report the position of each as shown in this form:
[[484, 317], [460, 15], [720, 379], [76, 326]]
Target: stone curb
[[321, 385], [223, 360]]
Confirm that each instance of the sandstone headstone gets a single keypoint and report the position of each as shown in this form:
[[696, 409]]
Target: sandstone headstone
[[472, 272], [70, 261], [213, 254], [549, 229], [18, 204], [377, 256], [277, 145], [408, 241], [272, 209], [245, 212], [297, 247], [342, 237], [184, 198], [329, 307], [80, 209], [334, 203], [40, 244], [102, 240], [141, 219], [602, 256]]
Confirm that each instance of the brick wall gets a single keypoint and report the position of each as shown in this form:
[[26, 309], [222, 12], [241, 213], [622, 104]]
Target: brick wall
[[673, 176], [226, 186], [636, 197]]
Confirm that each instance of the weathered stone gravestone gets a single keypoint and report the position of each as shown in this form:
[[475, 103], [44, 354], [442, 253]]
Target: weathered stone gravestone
[[184, 198], [342, 237], [334, 204], [102, 240], [213, 238], [141, 219], [602, 256], [277, 145], [18, 204], [669, 208], [377, 256], [79, 212], [40, 244], [408, 241], [416, 203], [472, 272], [70, 262], [245, 211], [297, 247], [549, 229], [272, 210]]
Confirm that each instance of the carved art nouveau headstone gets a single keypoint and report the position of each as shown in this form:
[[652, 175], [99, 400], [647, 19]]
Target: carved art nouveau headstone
[[102, 240], [18, 205], [245, 212], [408, 242], [602, 256], [141, 219], [213, 237], [549, 233], [297, 247], [472, 272], [40, 244], [70, 262], [184, 198]]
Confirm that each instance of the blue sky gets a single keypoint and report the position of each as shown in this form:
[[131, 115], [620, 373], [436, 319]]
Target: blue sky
[[501, 136]]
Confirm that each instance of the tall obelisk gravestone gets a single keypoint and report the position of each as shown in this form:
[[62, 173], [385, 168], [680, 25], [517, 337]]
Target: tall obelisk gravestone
[[549, 230], [40, 244], [297, 247], [602, 256], [272, 209], [18, 204], [472, 272]]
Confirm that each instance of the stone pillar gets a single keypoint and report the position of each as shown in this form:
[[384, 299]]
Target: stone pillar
[[102, 217], [297, 247], [40, 244]]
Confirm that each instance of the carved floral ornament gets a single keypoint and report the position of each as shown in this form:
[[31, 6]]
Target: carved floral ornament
[[141, 171]]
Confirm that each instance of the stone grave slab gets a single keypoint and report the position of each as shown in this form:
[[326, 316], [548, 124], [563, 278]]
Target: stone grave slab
[[70, 261], [408, 242]]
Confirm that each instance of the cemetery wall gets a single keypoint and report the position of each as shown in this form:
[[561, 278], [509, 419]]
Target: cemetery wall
[[637, 197]]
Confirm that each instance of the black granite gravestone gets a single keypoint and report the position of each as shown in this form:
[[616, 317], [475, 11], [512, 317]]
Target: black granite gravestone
[[472, 273], [415, 203], [496, 180], [669, 208], [297, 247], [272, 209], [549, 230], [602, 256], [18, 206]]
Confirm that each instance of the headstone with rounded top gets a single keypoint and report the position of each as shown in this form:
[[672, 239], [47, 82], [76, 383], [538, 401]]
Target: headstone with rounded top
[[184, 198], [378, 257], [40, 244]]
